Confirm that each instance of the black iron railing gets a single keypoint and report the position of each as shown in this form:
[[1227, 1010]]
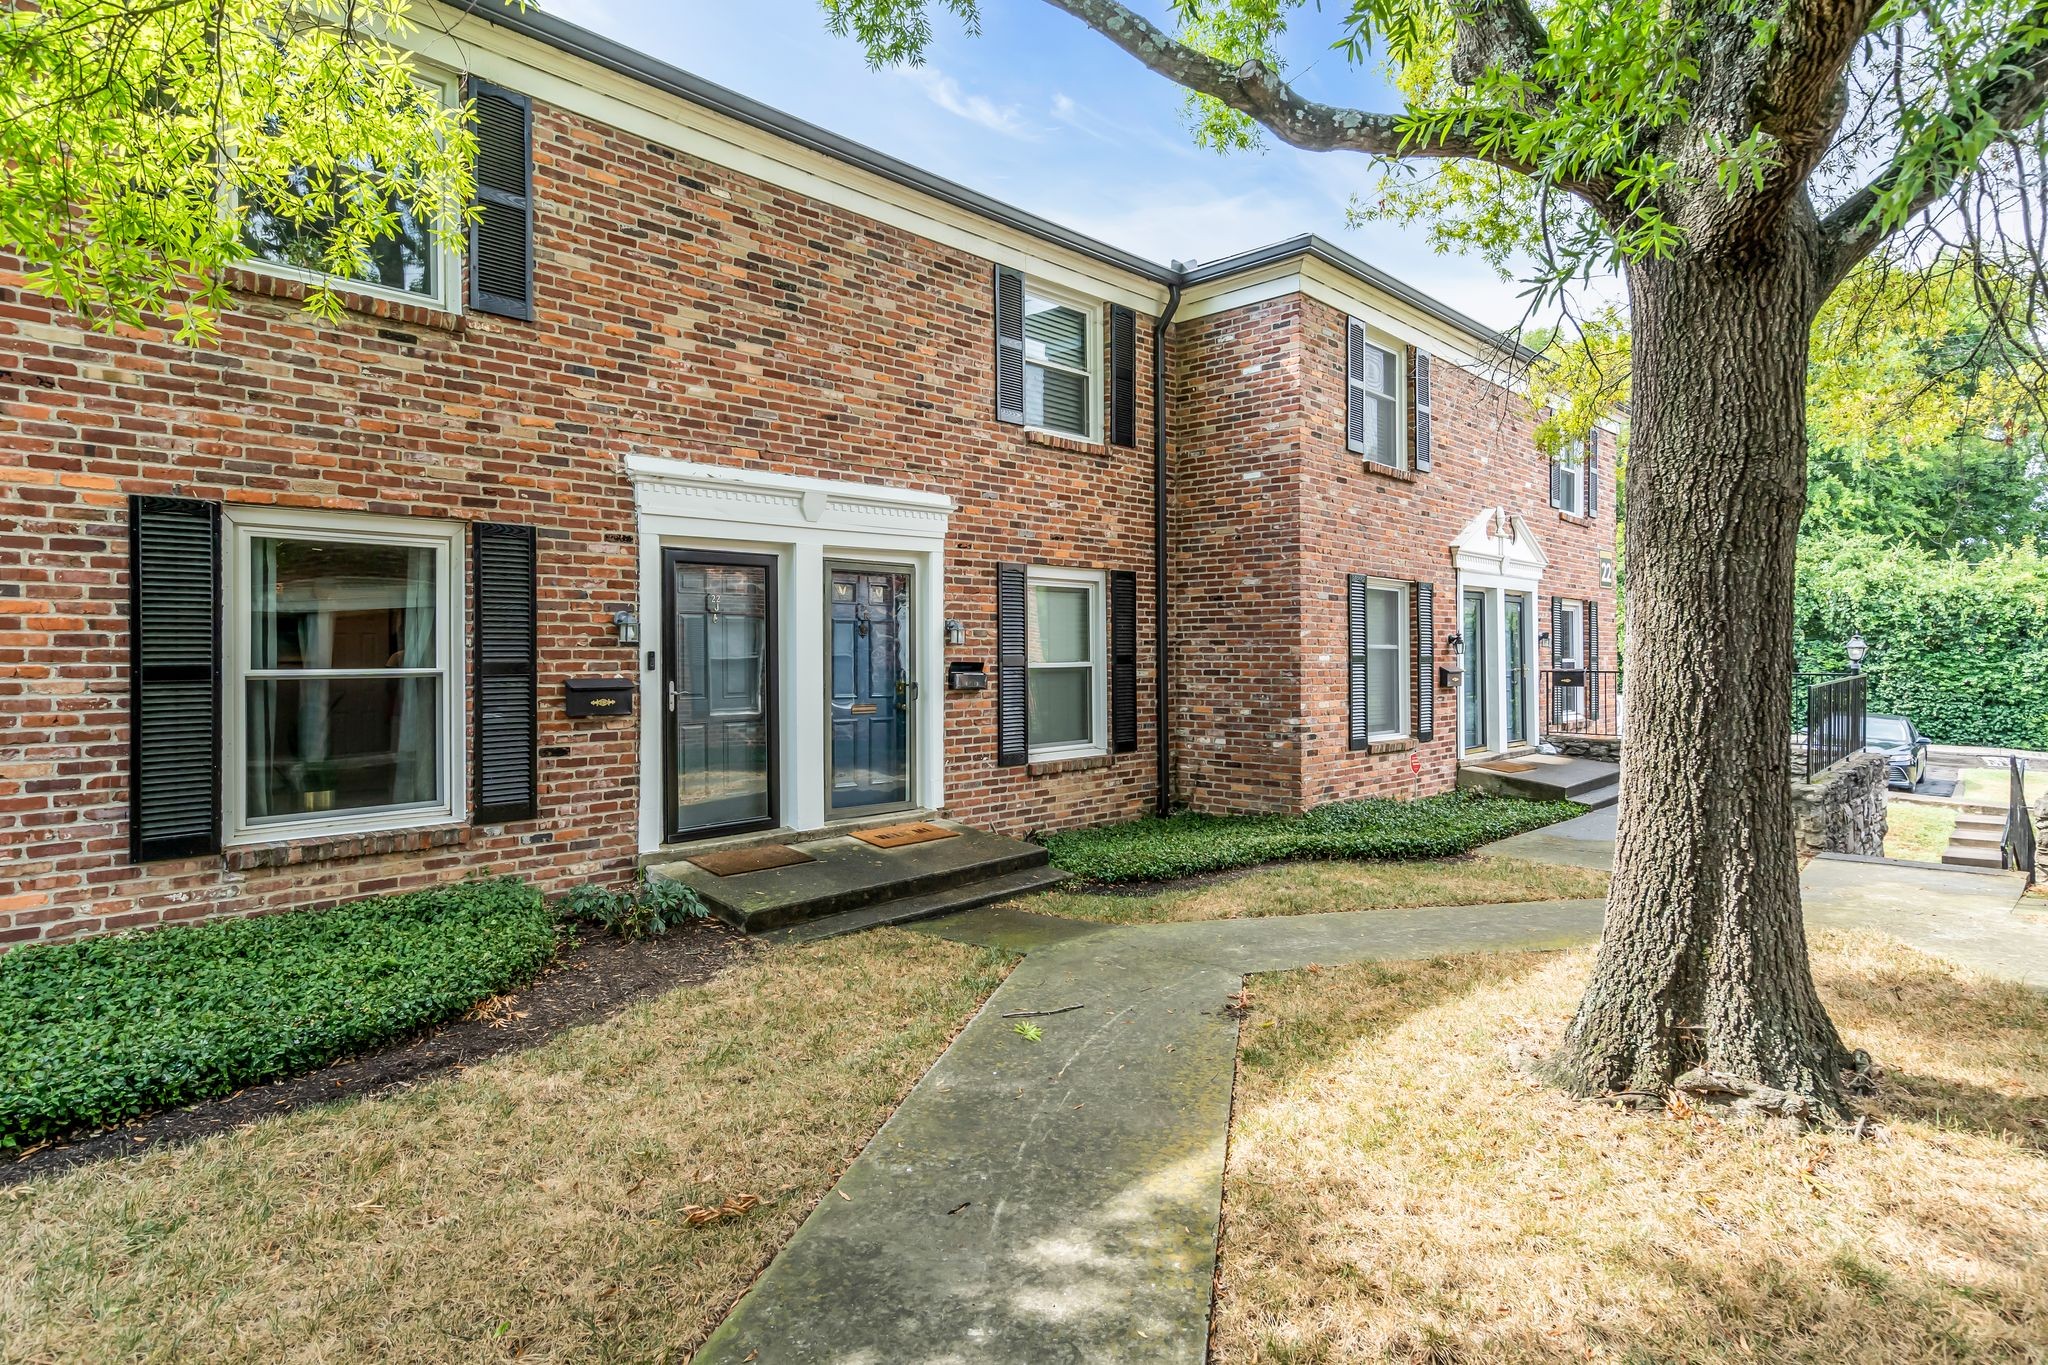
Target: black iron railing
[[1832, 711], [1583, 702], [2018, 845]]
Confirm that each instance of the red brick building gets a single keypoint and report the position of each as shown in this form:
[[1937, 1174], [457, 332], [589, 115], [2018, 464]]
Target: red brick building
[[737, 478]]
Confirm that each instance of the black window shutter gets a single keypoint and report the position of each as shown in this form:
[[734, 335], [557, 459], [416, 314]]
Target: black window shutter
[[1592, 659], [174, 667], [1558, 650], [1354, 386], [1009, 347], [501, 242], [504, 574], [1355, 611], [1425, 660], [1013, 704], [1123, 661], [1593, 472], [1123, 376], [1418, 394]]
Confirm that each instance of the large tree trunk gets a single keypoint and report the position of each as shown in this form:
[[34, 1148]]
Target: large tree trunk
[[1703, 960]]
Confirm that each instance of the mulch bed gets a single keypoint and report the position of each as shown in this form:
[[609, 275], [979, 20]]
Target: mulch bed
[[591, 981]]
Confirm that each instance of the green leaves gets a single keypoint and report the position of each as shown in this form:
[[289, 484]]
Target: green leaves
[[98, 1032], [1186, 843]]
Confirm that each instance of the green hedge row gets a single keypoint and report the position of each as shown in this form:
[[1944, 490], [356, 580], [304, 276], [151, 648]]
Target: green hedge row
[[1961, 647], [98, 1032], [1185, 843]]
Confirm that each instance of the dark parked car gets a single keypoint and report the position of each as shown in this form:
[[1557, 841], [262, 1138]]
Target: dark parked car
[[1896, 738]]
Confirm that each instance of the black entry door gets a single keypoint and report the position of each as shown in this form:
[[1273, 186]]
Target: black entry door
[[720, 632], [871, 688]]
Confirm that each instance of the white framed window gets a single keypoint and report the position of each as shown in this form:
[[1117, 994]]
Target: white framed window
[[1568, 650], [1386, 659], [1568, 478], [408, 267], [1067, 684], [343, 689], [1062, 363], [1374, 379]]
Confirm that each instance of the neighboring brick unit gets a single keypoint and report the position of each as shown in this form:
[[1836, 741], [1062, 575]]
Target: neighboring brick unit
[[684, 310]]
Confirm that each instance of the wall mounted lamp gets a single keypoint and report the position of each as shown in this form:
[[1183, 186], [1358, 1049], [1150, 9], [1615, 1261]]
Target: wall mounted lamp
[[956, 632], [627, 622]]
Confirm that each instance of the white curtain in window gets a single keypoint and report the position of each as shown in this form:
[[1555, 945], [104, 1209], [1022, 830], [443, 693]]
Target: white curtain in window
[[418, 701]]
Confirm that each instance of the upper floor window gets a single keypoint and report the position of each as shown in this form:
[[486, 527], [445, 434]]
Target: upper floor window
[[1062, 364], [408, 266], [1568, 478], [1373, 398]]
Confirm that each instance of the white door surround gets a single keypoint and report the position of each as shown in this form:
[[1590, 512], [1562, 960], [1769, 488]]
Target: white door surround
[[804, 523], [1496, 554]]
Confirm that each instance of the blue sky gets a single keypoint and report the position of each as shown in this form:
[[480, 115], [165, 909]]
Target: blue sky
[[1042, 113]]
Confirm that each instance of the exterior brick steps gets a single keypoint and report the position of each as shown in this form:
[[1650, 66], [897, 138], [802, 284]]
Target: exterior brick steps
[[846, 876], [910, 909]]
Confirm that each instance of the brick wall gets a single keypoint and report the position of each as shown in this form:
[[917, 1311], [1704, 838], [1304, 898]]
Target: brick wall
[[1261, 423], [684, 311]]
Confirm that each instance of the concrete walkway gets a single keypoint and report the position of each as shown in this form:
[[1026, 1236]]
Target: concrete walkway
[[1057, 1201]]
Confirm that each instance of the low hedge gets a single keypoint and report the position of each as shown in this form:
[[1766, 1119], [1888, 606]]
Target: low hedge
[[98, 1032], [1185, 844]]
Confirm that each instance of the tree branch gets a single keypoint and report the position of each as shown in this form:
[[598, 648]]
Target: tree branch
[[2013, 97], [1501, 35], [1256, 90]]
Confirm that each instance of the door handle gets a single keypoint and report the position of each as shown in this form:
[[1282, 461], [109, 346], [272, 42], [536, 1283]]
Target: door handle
[[671, 696]]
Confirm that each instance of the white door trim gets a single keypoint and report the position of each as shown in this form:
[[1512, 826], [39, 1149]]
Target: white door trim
[[804, 523], [1498, 555]]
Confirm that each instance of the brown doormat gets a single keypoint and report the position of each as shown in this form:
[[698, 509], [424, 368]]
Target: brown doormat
[[903, 836], [760, 858], [1506, 767]]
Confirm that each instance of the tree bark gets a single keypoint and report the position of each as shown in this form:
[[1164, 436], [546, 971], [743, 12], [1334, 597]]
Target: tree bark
[[1703, 960]]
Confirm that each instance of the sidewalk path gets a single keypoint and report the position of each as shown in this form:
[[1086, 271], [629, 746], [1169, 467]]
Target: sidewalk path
[[1057, 1201]]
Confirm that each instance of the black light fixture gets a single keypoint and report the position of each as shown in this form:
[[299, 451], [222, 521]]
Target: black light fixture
[[1857, 649], [1457, 646]]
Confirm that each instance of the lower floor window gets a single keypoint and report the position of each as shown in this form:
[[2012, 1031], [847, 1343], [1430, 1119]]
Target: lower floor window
[[1386, 650], [341, 686], [1064, 632]]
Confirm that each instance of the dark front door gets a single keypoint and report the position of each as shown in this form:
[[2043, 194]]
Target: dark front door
[[871, 690], [720, 642]]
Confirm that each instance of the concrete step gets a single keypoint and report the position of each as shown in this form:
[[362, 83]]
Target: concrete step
[[1973, 857], [910, 909], [1600, 798], [846, 875], [1545, 778]]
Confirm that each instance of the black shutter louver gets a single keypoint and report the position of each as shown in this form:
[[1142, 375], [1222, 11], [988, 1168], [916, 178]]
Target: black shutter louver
[[1123, 376], [1361, 728], [1354, 386], [501, 241], [1123, 661], [504, 573], [1013, 703], [1418, 392], [1009, 346], [1558, 651], [1592, 660], [174, 666], [1425, 661], [1593, 472]]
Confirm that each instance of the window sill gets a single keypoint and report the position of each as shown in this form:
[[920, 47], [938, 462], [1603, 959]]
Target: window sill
[[1079, 763], [1052, 440], [1385, 471], [1574, 518], [425, 313], [327, 848], [1389, 746]]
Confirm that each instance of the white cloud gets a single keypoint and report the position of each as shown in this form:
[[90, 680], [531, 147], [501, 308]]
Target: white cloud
[[980, 110]]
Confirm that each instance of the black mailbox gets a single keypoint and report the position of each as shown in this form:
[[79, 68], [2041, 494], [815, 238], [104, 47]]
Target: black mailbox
[[600, 696], [966, 676], [1568, 677]]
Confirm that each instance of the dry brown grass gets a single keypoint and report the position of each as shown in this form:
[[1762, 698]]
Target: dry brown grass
[[1311, 888], [1398, 1191], [535, 1207]]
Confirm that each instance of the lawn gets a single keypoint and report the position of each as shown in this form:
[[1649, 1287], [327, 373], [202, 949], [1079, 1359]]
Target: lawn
[[1314, 888], [1993, 786], [534, 1207], [1916, 832], [1398, 1190], [1188, 844]]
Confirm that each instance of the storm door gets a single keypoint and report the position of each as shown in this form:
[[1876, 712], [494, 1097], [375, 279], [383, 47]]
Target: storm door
[[871, 693], [720, 642], [1478, 682], [1515, 639]]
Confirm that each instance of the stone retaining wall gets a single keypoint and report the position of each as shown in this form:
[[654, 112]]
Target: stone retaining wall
[[1843, 811], [1580, 746]]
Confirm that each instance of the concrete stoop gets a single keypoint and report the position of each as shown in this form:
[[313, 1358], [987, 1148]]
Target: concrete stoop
[[1545, 777], [1978, 839], [850, 885]]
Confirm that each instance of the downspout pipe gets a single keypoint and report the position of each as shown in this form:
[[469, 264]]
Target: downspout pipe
[[1162, 701]]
